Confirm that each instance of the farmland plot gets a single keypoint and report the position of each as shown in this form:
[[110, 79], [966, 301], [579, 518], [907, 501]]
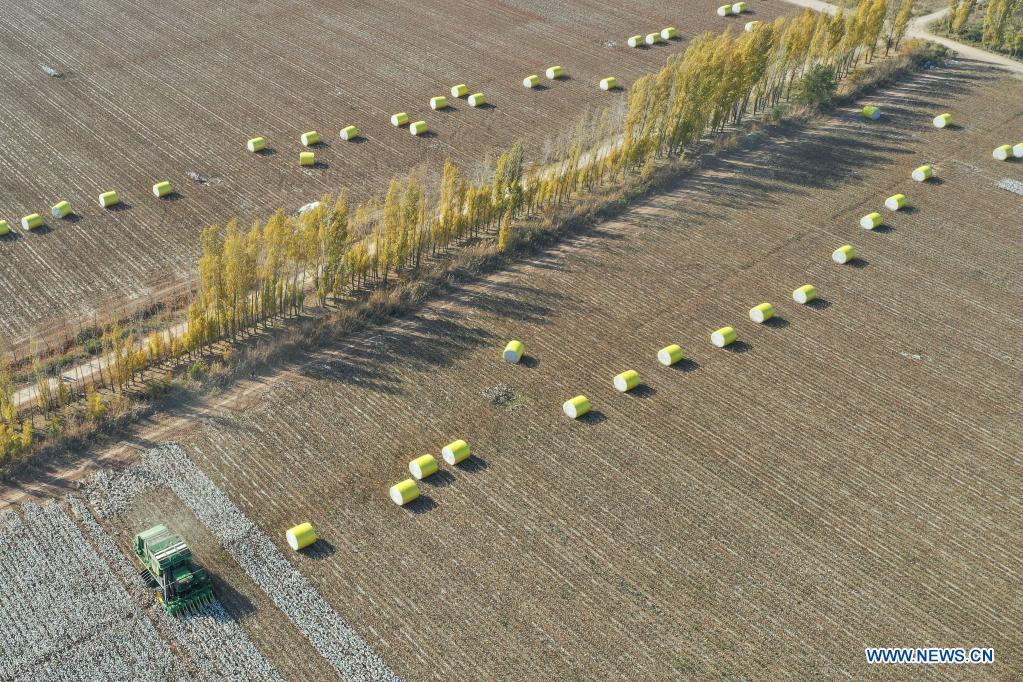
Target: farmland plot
[[844, 476], [171, 91]]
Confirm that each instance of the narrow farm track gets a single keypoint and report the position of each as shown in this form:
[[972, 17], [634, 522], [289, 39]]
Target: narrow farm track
[[176, 88], [847, 476]]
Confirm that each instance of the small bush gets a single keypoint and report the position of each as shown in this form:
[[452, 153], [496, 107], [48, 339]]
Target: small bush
[[197, 370], [818, 86]]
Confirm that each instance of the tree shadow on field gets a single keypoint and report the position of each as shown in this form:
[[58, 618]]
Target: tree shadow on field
[[776, 322], [441, 479], [319, 550], [421, 505]]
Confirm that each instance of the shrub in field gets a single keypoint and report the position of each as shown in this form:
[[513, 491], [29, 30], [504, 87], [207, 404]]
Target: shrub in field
[[818, 86]]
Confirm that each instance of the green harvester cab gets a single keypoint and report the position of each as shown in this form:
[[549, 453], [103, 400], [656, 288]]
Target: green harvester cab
[[181, 586]]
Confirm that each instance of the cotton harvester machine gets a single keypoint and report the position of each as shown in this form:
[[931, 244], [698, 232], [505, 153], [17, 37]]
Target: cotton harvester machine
[[181, 586]]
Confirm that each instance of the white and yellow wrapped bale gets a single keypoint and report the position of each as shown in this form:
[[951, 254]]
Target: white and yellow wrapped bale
[[531, 81], [310, 138], [653, 38], [418, 128], [805, 294], [1017, 150], [609, 83], [555, 72], [61, 209], [439, 102], [514, 351], [871, 221], [423, 466], [1002, 153], [942, 120], [739, 7], [349, 133], [31, 222], [895, 202], [626, 381], [723, 337], [670, 355], [761, 313], [477, 99], [670, 33], [922, 173], [460, 90], [163, 188], [256, 144], [751, 26], [635, 41], [5, 228], [844, 254], [456, 452], [301, 536], [404, 492], [108, 199], [307, 159], [724, 10], [399, 119], [577, 406], [872, 113]]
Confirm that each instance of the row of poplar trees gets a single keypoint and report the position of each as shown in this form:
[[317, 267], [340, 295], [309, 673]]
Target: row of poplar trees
[[999, 28], [250, 276]]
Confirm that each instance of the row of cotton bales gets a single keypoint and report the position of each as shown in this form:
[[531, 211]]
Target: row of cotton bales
[[424, 466], [734, 9], [63, 209], [1007, 151], [655, 38]]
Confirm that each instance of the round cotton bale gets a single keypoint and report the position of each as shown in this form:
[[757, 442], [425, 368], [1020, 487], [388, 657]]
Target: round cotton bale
[[5, 229], [805, 294], [514, 351], [477, 99], [843, 254], [460, 90], [761, 313], [349, 133], [943, 121], [404, 492], [1003, 152], [635, 41], [31, 222], [922, 173], [162, 189], [871, 220], [723, 337], [61, 209], [724, 10], [895, 202], [670, 33], [609, 83], [307, 159], [418, 128], [1017, 150], [108, 199], [555, 72], [871, 112], [577, 406], [438, 103], [310, 138], [752, 26], [256, 144], [399, 119], [531, 81], [301, 536], [739, 7], [653, 38], [423, 466], [626, 381], [455, 452], [669, 355]]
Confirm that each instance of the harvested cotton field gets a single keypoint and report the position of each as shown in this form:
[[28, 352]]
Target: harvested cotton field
[[844, 475], [173, 91]]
